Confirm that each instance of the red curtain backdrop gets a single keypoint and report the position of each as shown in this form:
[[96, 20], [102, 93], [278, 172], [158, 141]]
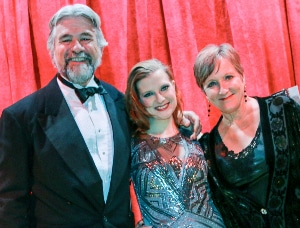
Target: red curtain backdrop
[[266, 34]]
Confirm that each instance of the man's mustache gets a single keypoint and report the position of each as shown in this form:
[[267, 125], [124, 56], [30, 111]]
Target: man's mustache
[[78, 58]]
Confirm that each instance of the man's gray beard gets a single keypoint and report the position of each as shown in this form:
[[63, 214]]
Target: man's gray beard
[[81, 75]]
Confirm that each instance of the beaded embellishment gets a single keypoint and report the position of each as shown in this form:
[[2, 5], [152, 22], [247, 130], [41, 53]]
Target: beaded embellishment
[[243, 153], [246, 151]]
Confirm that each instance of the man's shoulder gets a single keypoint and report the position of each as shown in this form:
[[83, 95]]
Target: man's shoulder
[[108, 86], [112, 90], [32, 100]]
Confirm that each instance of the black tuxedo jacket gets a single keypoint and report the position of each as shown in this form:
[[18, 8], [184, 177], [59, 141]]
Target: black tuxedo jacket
[[47, 176]]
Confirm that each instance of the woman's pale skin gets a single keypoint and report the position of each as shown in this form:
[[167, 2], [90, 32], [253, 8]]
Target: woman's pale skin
[[224, 88], [158, 96]]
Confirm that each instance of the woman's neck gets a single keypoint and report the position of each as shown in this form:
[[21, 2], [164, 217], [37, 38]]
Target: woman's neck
[[237, 131], [240, 117], [162, 128]]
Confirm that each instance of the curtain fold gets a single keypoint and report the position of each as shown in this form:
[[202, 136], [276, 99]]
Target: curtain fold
[[266, 34], [293, 32], [18, 77]]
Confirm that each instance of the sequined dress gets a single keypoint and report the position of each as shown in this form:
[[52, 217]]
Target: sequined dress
[[172, 192]]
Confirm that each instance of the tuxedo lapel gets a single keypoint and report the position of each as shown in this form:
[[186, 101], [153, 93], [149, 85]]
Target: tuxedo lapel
[[118, 118], [61, 129]]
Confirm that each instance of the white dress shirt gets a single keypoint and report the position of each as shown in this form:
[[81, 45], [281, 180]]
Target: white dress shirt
[[94, 124]]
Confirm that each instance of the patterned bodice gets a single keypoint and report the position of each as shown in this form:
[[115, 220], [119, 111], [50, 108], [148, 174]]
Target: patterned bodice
[[172, 189]]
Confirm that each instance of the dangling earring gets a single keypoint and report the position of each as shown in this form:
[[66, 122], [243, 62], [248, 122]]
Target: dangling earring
[[245, 93], [208, 109]]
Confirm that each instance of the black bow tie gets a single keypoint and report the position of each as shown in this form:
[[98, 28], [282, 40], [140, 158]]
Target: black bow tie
[[84, 93]]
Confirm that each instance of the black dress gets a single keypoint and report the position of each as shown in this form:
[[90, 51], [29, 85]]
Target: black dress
[[260, 186]]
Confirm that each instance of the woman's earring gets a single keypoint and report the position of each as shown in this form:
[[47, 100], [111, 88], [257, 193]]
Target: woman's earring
[[245, 94], [208, 109]]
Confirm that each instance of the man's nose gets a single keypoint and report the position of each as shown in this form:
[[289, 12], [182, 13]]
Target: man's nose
[[77, 47]]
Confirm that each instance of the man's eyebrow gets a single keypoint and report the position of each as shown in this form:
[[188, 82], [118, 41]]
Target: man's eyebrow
[[86, 34], [68, 35], [64, 36]]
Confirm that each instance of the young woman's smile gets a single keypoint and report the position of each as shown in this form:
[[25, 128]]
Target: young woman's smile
[[157, 94]]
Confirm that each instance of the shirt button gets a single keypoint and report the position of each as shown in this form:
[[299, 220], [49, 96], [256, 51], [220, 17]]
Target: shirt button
[[103, 153]]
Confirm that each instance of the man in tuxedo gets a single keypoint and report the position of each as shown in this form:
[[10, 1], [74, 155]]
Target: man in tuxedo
[[64, 152], [65, 149]]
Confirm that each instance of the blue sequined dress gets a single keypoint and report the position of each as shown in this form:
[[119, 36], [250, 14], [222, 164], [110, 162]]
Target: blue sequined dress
[[172, 191]]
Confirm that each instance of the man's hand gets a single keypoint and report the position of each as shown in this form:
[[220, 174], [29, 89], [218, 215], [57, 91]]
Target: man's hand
[[192, 121]]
